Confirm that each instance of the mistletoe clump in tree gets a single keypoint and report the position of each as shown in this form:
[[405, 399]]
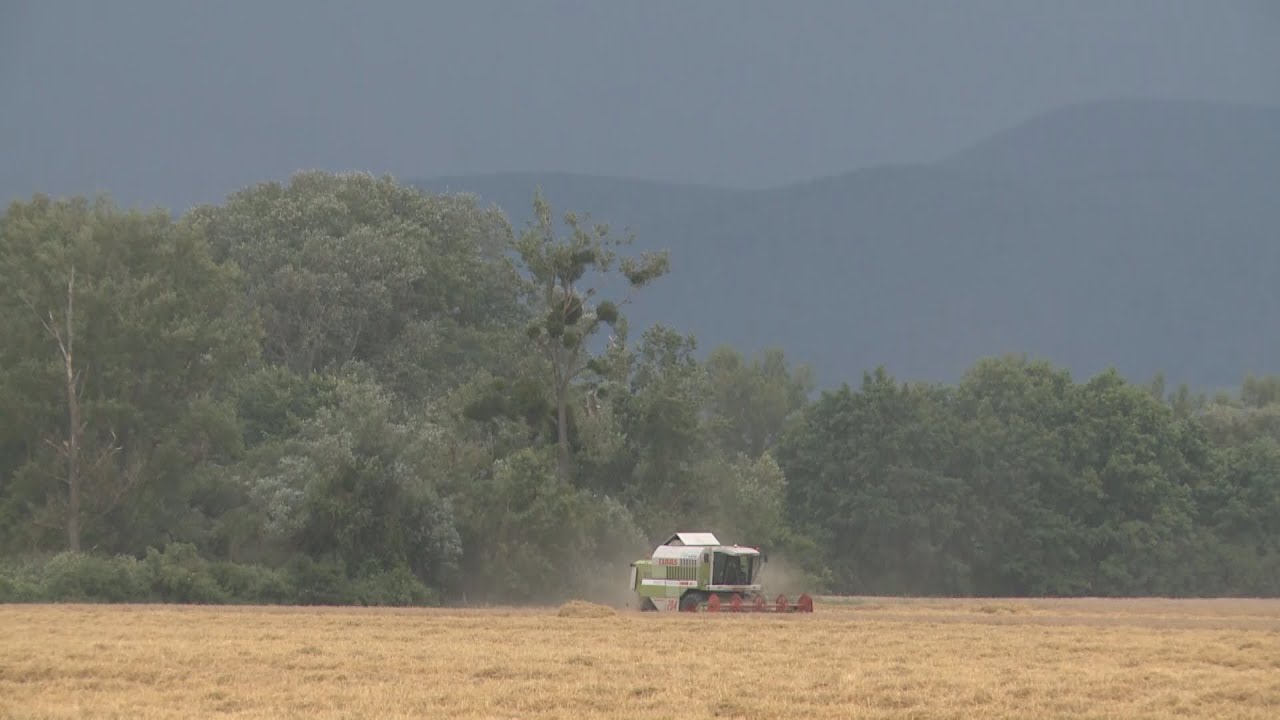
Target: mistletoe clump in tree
[[564, 279]]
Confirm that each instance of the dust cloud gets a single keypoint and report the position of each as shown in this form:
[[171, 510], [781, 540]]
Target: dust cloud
[[605, 578], [611, 585], [779, 575]]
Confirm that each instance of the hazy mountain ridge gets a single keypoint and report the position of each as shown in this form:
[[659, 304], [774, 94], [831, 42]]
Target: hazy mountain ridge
[[1134, 138], [1141, 235]]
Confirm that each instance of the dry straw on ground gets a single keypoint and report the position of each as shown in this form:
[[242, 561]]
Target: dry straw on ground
[[584, 609], [853, 658]]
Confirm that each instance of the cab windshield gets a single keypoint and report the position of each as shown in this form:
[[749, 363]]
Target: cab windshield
[[732, 569]]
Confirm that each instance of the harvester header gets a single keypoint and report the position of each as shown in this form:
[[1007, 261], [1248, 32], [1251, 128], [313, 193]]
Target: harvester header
[[695, 572]]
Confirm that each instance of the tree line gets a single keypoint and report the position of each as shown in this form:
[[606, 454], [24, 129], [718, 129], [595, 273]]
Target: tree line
[[342, 389]]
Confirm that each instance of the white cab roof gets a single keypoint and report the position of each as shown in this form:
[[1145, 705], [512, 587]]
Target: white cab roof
[[692, 553], [692, 539]]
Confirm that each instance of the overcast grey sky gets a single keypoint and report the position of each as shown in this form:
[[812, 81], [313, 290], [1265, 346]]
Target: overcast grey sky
[[175, 101]]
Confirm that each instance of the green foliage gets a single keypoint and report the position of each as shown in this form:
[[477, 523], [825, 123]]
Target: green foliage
[[660, 416], [752, 403], [1014, 423], [319, 582], [355, 268], [869, 479], [344, 391], [531, 536], [251, 584], [749, 500], [134, 307], [1022, 482], [358, 484], [395, 587], [16, 587], [83, 578], [1259, 392], [179, 574], [273, 403], [562, 282]]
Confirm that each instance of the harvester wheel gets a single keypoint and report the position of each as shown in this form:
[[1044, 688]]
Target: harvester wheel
[[805, 604], [689, 603], [759, 603], [713, 603], [735, 603], [781, 603]]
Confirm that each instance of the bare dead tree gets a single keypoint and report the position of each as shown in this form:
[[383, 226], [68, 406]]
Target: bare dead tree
[[69, 448]]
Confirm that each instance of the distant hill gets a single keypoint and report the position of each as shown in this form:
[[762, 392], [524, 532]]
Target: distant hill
[[1140, 235]]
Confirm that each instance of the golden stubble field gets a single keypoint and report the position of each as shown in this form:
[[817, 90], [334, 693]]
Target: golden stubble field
[[863, 658]]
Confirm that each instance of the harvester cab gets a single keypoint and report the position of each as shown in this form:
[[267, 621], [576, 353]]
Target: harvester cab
[[693, 572]]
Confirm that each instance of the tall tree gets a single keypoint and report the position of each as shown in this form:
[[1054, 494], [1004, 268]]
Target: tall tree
[[360, 483], [117, 325], [61, 327], [752, 402], [661, 417], [564, 285], [1016, 417], [867, 477], [351, 268]]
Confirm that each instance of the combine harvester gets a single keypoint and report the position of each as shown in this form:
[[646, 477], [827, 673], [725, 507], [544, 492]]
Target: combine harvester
[[693, 572]]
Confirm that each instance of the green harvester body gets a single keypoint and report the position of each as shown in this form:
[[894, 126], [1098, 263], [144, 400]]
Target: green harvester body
[[694, 572]]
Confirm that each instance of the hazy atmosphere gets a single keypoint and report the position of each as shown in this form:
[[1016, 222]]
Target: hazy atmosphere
[[174, 102], [434, 359]]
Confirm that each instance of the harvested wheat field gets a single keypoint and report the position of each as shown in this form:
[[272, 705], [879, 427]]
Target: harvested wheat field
[[852, 658]]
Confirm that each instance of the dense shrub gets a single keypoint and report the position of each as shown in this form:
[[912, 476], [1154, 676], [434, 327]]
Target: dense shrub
[[252, 584], [397, 587], [19, 583], [86, 578], [319, 583], [180, 575]]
